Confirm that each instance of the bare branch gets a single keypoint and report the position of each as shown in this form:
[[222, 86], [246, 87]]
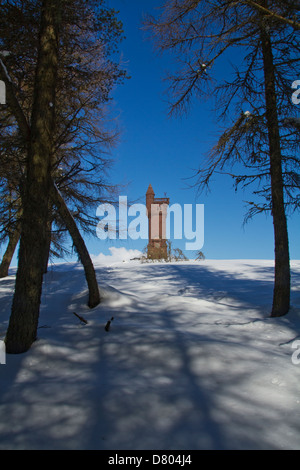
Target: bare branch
[[272, 14]]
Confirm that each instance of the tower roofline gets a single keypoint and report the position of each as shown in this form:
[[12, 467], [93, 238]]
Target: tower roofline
[[150, 190]]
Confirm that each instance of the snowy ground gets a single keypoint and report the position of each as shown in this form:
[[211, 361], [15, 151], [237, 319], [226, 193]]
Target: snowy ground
[[192, 361]]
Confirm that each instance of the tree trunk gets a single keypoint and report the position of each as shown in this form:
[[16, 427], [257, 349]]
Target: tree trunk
[[14, 238], [22, 329], [281, 296], [94, 295]]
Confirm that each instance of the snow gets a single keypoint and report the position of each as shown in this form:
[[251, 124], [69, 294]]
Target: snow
[[4, 69], [192, 361]]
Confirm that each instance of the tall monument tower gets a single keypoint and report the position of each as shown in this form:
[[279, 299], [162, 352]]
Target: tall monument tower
[[157, 209]]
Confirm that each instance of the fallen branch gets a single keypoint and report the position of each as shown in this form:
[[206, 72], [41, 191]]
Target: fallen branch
[[83, 320], [107, 326]]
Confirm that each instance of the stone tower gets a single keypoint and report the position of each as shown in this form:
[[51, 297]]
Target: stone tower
[[157, 209]]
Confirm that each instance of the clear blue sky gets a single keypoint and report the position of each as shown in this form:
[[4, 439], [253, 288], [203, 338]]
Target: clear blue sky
[[164, 152]]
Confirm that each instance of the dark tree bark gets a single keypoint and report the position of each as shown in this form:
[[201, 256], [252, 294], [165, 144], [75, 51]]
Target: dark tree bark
[[22, 329], [14, 238], [94, 295], [281, 296]]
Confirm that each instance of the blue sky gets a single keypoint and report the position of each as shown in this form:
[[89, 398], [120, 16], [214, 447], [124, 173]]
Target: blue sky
[[165, 152]]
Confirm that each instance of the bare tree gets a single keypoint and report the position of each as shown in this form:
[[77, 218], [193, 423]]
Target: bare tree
[[23, 322], [274, 11], [257, 99], [51, 140], [86, 74]]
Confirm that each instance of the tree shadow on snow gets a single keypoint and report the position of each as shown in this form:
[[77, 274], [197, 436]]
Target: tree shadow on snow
[[163, 378], [172, 388]]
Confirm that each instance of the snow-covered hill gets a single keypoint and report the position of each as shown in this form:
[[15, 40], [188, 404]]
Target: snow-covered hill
[[192, 361]]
